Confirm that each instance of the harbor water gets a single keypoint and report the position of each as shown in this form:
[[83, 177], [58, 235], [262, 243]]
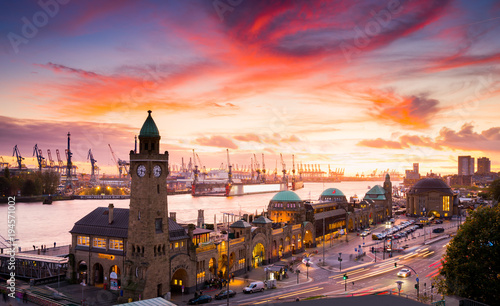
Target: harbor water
[[38, 224]]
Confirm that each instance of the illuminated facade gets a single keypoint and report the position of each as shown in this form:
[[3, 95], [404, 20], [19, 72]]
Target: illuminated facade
[[431, 197]]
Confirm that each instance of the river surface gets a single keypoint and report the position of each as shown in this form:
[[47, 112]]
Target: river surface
[[38, 224]]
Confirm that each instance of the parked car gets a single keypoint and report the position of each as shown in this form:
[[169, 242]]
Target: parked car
[[404, 272], [254, 287], [438, 230], [439, 221], [200, 300], [365, 233], [223, 294]]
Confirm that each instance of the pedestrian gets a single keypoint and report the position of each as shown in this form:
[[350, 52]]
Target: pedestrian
[[34, 248], [54, 245], [4, 294]]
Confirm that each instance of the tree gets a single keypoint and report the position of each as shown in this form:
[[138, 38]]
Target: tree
[[471, 266], [495, 190]]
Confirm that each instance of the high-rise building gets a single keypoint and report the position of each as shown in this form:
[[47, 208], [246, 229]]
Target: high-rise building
[[483, 165], [465, 165]]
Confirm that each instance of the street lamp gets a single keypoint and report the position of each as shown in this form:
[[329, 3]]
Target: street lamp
[[298, 272], [399, 287]]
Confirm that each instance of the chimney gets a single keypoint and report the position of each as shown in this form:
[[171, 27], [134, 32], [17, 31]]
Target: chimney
[[173, 216], [110, 214]]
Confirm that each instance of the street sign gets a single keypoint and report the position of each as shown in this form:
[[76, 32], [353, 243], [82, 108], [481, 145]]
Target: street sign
[[417, 279]]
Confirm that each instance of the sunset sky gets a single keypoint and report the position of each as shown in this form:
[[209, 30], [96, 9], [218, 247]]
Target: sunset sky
[[360, 85]]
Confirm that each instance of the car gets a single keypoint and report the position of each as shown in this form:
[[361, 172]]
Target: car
[[404, 273], [200, 300], [439, 221], [223, 294], [254, 287], [438, 230], [365, 233]]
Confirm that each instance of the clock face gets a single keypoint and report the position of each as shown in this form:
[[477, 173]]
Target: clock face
[[141, 170], [157, 170]]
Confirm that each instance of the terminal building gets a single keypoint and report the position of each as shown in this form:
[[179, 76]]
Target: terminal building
[[431, 197], [145, 253]]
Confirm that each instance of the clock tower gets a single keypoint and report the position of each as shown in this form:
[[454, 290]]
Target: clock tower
[[147, 258]]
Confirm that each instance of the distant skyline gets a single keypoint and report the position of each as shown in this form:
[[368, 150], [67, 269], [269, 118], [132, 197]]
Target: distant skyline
[[360, 85]]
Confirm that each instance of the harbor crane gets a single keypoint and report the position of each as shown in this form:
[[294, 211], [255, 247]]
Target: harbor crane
[[95, 169], [40, 159], [263, 169], [60, 164], [196, 172], [257, 168], [121, 164], [283, 166], [19, 158], [51, 161], [203, 168], [229, 169]]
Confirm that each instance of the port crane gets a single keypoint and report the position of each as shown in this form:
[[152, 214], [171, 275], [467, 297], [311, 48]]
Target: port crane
[[60, 164], [95, 168], [257, 169], [283, 166], [51, 161], [19, 158], [263, 169], [122, 165], [40, 159], [229, 169]]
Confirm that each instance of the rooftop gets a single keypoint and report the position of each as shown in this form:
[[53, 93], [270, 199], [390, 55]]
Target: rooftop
[[149, 128], [332, 192], [286, 196], [430, 184]]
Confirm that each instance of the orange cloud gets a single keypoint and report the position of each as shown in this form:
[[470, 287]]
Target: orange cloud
[[408, 111]]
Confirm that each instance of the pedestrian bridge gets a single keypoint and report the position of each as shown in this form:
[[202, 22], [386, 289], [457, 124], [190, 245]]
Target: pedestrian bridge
[[39, 268]]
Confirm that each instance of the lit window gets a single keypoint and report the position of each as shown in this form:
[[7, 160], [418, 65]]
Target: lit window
[[116, 244], [83, 240], [176, 245], [446, 203], [99, 243]]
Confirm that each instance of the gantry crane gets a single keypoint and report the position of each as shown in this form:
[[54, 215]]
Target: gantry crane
[[19, 158], [229, 169], [51, 161], [283, 166], [257, 167], [263, 169], [60, 163], [95, 168], [120, 164], [40, 159]]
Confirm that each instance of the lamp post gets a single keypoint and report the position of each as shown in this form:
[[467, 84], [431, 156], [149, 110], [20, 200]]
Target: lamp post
[[323, 241], [399, 287], [298, 272]]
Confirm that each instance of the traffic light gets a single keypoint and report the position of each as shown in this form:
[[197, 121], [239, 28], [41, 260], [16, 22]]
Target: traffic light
[[395, 265], [345, 276], [416, 286], [373, 249]]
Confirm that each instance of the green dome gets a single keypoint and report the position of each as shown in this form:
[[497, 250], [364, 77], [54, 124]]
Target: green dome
[[149, 128], [332, 192], [286, 196]]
